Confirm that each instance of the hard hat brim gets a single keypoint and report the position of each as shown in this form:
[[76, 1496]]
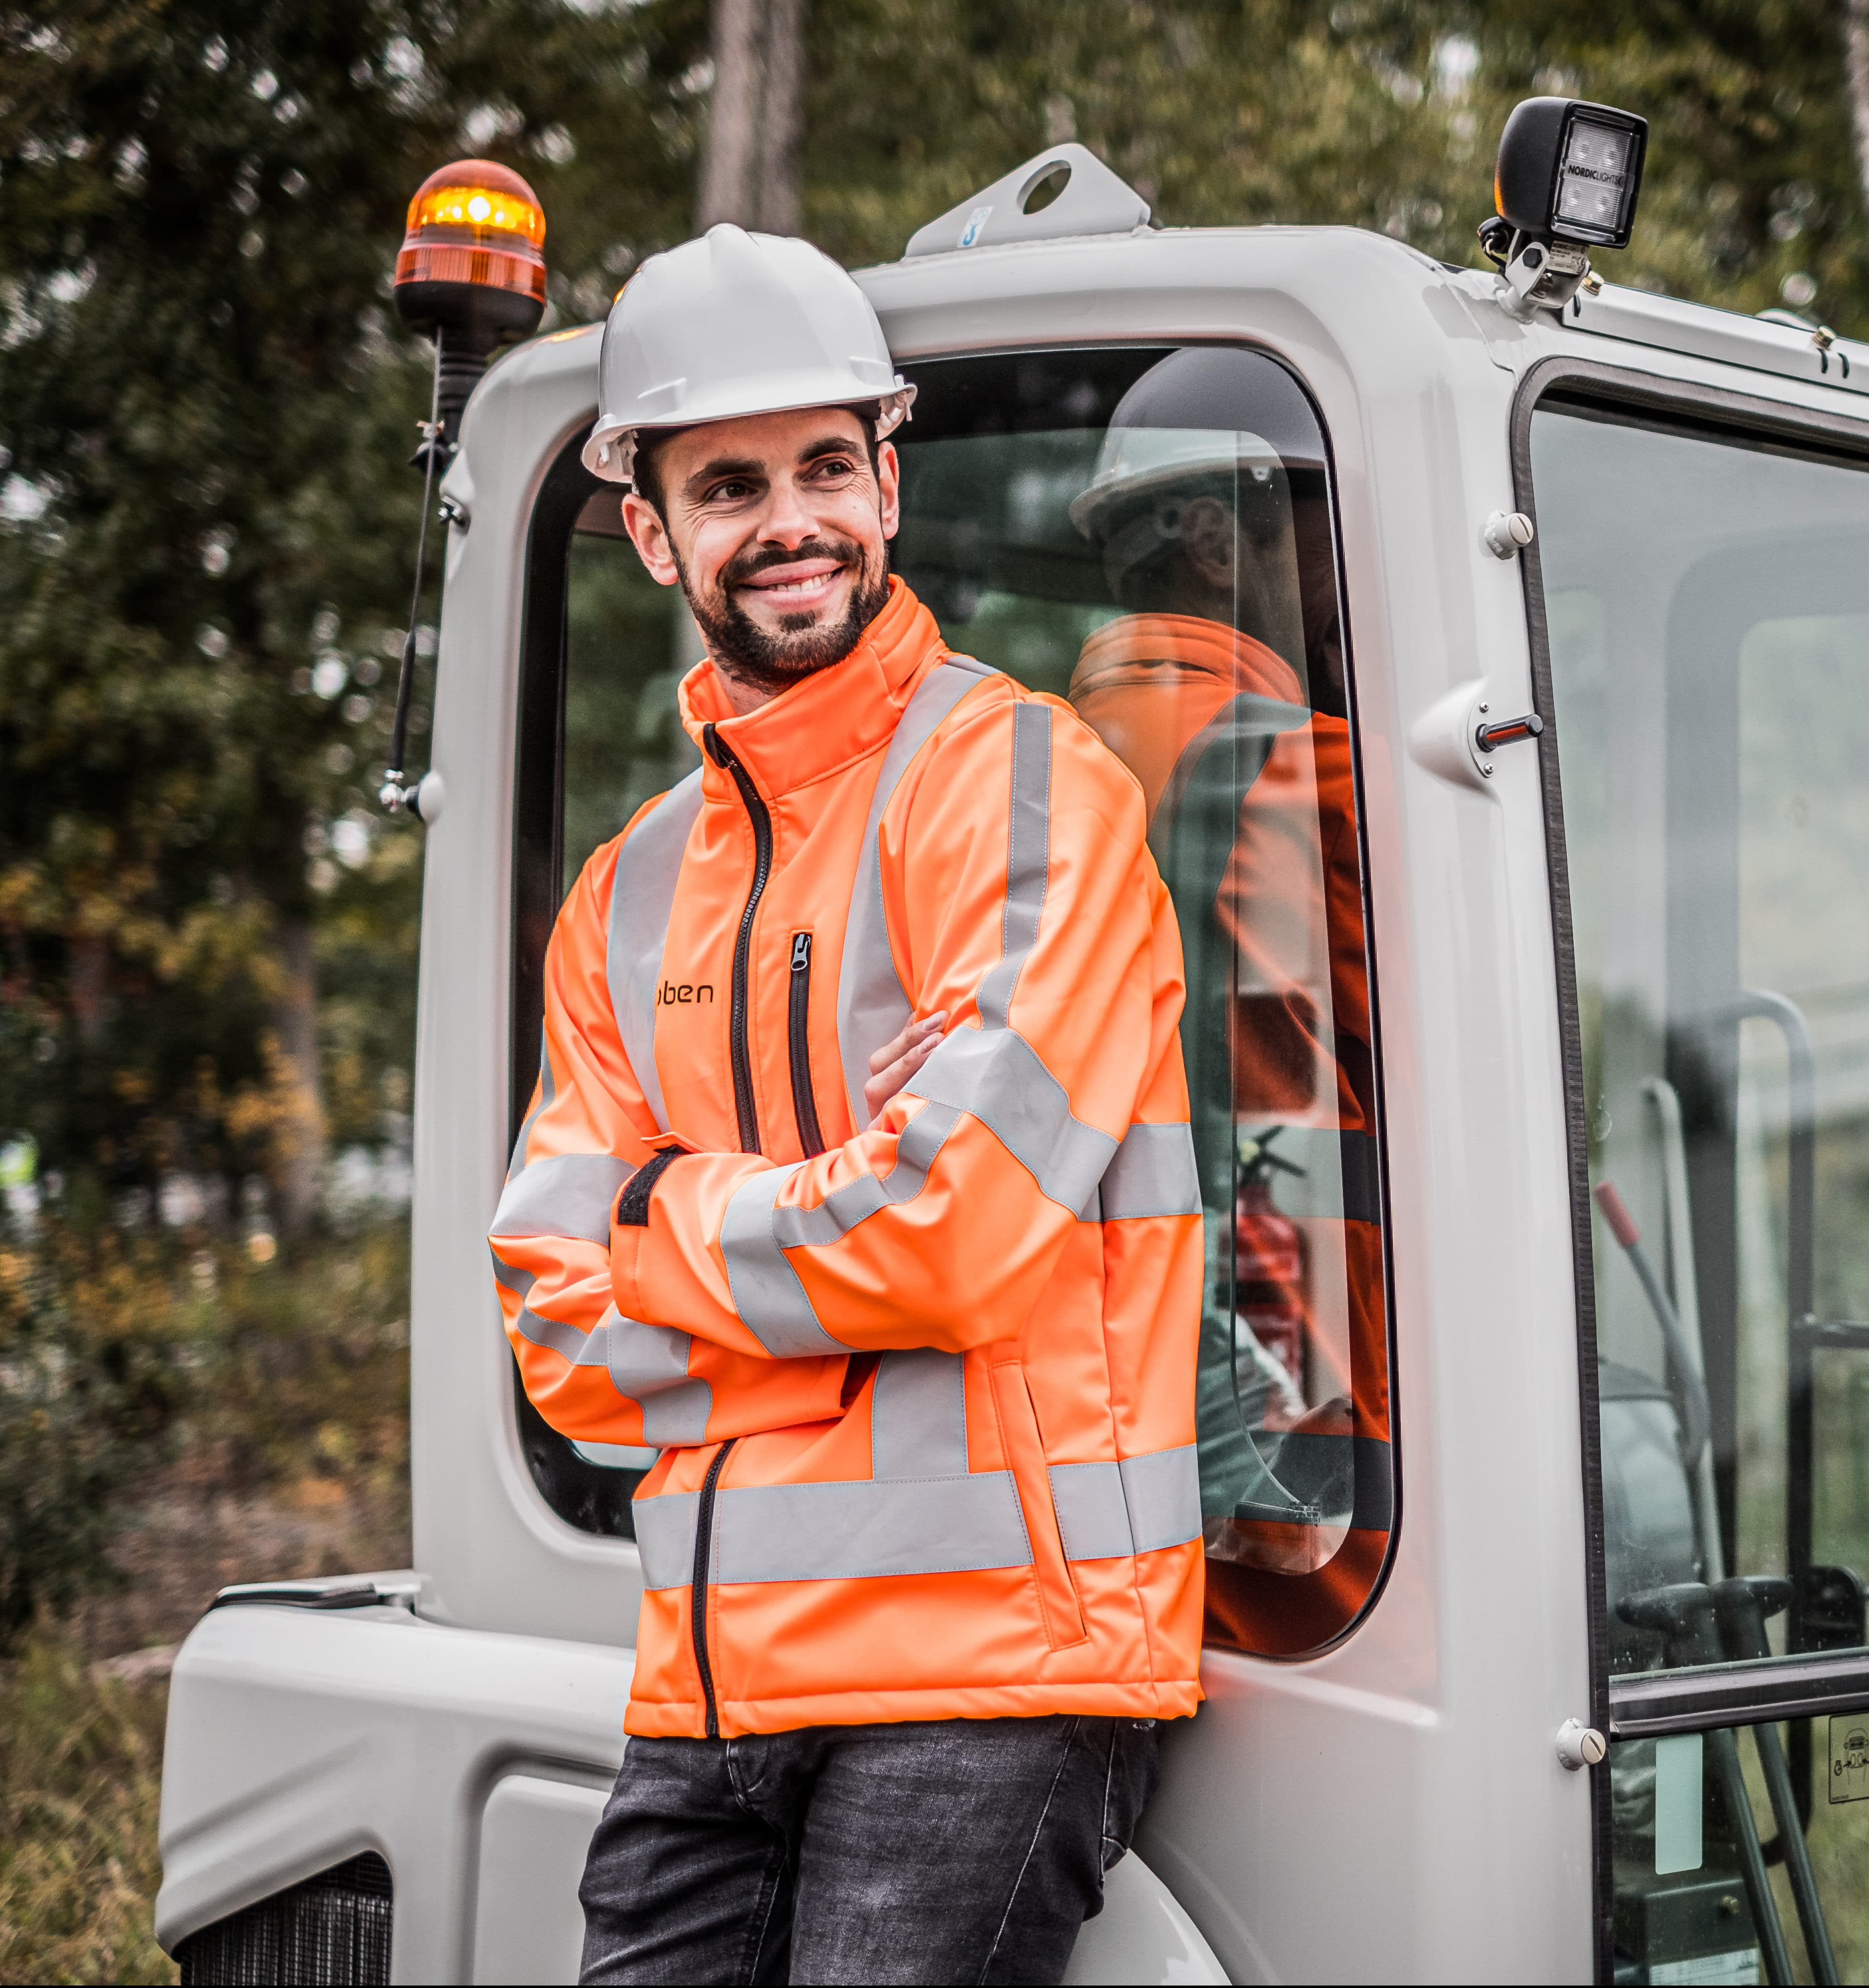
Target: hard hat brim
[[610, 452]]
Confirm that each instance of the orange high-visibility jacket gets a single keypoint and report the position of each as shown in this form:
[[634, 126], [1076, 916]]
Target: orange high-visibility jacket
[[924, 1392]]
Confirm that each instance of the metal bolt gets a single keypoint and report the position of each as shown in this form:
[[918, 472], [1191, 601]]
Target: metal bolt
[[1507, 534], [1580, 1745]]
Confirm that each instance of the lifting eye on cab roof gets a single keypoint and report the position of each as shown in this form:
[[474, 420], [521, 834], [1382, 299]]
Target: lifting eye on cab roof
[[1566, 180]]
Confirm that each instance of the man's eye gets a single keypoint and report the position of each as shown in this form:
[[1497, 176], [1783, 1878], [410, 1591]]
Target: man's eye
[[728, 493], [833, 466]]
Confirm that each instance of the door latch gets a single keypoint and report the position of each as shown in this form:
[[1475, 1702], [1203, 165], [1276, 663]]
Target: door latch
[[1508, 732]]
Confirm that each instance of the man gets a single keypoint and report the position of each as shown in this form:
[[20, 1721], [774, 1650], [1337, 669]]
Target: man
[[858, 1181], [1247, 778]]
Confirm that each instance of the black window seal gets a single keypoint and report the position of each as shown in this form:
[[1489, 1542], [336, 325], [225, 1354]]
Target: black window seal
[[1717, 413], [538, 755], [591, 1498]]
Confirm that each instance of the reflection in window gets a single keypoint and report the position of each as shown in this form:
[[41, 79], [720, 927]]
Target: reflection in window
[[628, 642], [1085, 521]]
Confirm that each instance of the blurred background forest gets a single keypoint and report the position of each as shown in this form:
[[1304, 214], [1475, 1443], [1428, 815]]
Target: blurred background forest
[[207, 932]]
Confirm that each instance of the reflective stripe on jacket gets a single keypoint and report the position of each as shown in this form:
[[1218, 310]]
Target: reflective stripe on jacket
[[929, 1386]]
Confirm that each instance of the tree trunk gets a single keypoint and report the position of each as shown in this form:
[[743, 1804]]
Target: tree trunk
[[90, 986], [733, 115], [1856, 70], [749, 169], [782, 122], [299, 1144]]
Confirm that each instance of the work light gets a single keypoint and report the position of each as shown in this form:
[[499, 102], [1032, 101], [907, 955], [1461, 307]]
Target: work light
[[1566, 182], [1570, 171]]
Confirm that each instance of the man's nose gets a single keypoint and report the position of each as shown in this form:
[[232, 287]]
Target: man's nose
[[787, 521]]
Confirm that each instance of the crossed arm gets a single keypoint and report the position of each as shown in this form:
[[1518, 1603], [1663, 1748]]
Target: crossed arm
[[1042, 957]]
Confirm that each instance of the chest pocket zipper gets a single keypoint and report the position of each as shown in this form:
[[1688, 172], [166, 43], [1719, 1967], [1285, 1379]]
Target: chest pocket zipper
[[804, 1104]]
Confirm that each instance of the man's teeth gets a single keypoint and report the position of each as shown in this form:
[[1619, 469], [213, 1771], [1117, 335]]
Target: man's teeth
[[795, 585]]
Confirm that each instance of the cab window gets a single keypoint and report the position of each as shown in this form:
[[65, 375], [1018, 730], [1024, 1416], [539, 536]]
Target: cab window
[[1147, 533], [1708, 614]]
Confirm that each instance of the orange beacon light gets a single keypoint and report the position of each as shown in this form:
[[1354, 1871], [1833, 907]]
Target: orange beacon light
[[470, 272]]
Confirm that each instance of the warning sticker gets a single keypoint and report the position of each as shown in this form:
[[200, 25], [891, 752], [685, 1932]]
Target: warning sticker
[[1849, 1776]]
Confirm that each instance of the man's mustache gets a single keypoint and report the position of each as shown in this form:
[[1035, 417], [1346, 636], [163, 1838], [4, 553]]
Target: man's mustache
[[744, 566]]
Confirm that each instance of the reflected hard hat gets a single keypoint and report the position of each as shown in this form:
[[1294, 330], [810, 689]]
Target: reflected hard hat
[[1136, 463], [735, 324]]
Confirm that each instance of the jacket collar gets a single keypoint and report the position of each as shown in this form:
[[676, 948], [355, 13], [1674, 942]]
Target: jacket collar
[[833, 717]]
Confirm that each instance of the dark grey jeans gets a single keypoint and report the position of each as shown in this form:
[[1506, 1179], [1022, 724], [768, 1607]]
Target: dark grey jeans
[[944, 1850]]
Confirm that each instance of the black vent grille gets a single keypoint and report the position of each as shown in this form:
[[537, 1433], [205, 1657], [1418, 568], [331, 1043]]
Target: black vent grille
[[334, 1928]]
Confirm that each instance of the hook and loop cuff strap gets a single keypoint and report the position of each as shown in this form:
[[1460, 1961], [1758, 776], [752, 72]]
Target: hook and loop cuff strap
[[633, 1203]]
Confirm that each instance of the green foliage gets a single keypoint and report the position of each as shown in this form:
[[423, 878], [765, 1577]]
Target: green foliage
[[205, 407], [121, 1352], [1371, 114], [205, 402], [80, 1784], [62, 1451]]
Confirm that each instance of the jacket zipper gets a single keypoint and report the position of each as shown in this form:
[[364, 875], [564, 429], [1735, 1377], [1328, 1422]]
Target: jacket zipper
[[724, 756], [703, 1544], [803, 1103]]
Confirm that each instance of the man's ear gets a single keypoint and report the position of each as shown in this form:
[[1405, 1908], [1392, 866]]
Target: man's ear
[[650, 536], [889, 486]]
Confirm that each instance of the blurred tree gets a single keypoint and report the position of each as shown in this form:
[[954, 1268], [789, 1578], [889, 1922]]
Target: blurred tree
[[205, 413], [1373, 113], [749, 169], [204, 521]]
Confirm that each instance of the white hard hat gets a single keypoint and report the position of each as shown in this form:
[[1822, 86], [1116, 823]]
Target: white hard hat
[[734, 324], [1138, 462]]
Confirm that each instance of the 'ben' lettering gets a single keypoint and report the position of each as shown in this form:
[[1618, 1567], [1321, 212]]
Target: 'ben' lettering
[[686, 992]]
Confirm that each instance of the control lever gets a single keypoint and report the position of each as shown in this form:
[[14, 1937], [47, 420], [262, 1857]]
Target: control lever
[[1690, 1389], [1742, 1605]]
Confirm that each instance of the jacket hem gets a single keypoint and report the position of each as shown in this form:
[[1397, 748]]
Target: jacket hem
[[1172, 1699]]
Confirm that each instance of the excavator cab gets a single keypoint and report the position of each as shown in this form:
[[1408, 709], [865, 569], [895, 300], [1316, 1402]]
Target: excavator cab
[[1489, 649]]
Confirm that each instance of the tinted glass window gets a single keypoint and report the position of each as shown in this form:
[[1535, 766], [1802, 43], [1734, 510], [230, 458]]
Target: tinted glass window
[[1147, 533], [1709, 612]]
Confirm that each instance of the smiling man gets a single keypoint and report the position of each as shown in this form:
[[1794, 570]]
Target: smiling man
[[894, 1250]]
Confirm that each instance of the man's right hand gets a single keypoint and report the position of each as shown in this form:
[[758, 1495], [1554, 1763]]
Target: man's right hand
[[896, 1062]]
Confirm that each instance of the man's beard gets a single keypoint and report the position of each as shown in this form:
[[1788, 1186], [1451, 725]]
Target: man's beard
[[773, 663]]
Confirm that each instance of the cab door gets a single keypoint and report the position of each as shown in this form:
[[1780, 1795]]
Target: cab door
[[1700, 616]]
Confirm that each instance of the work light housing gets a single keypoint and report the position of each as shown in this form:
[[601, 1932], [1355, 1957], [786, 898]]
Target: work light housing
[[1569, 171]]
